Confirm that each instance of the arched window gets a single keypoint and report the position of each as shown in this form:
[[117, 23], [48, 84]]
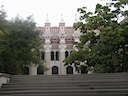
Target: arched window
[[69, 70], [54, 70], [83, 70], [57, 55], [40, 70], [25, 70], [52, 55], [66, 54]]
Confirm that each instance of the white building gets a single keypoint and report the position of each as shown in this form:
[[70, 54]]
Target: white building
[[58, 43]]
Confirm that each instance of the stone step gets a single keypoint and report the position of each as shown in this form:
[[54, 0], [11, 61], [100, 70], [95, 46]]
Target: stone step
[[72, 82], [67, 85], [102, 91], [99, 75], [69, 94], [61, 88], [41, 88], [61, 78], [76, 78]]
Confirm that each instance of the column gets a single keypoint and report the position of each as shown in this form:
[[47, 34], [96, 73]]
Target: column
[[33, 69], [47, 59], [62, 57]]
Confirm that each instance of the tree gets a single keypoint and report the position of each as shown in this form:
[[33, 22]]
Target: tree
[[107, 51], [19, 47], [3, 22]]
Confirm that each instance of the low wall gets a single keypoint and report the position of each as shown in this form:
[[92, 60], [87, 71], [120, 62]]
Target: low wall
[[4, 78]]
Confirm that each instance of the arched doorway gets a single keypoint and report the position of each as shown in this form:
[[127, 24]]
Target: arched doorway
[[69, 70], [40, 70], [25, 70], [54, 70], [83, 69]]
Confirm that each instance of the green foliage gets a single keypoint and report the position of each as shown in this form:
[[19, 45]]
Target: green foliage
[[20, 46], [3, 22], [107, 51]]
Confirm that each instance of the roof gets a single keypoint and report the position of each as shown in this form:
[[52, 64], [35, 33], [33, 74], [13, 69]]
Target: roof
[[55, 30]]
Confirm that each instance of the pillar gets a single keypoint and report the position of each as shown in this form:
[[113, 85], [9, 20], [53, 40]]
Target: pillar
[[33, 69], [47, 59], [62, 57]]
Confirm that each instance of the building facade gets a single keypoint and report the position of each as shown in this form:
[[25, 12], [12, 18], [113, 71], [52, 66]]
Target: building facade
[[57, 45]]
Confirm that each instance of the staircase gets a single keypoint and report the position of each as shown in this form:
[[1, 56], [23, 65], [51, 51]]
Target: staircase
[[67, 85]]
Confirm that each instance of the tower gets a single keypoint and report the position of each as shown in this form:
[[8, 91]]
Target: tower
[[62, 25], [62, 46], [47, 45], [47, 26]]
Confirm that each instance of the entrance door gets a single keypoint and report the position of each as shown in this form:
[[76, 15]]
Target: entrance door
[[25, 71], [54, 70], [40, 70], [84, 70], [69, 70]]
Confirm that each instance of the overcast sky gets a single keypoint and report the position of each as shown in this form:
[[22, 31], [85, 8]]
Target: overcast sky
[[54, 8]]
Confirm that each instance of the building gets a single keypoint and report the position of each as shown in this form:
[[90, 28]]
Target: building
[[57, 45]]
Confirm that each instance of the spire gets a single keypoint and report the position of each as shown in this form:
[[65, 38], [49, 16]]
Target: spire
[[62, 20], [47, 23], [47, 20], [76, 20]]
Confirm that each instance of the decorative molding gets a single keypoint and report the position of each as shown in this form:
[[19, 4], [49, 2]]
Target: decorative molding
[[47, 48], [62, 48]]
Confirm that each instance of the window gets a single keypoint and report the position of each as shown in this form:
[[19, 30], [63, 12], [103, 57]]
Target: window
[[57, 55], [83, 69], [52, 55], [69, 70], [55, 70], [40, 70]]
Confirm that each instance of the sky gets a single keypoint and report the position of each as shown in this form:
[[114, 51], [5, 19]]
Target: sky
[[54, 8]]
